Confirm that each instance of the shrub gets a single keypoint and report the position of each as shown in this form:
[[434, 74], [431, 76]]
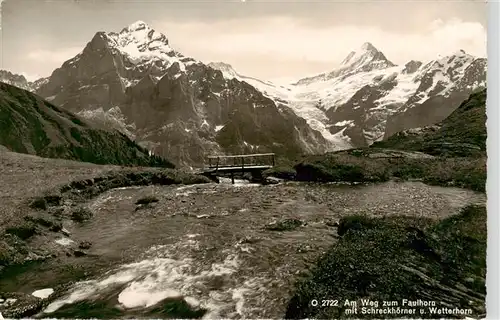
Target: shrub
[[285, 225], [147, 200], [281, 172], [24, 231], [81, 214], [39, 203], [354, 223]]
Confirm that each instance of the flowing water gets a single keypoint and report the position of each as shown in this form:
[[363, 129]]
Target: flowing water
[[208, 247]]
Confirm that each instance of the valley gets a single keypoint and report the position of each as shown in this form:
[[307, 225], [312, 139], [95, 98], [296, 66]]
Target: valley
[[378, 192]]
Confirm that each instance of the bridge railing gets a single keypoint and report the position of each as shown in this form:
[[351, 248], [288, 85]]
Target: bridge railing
[[242, 160]]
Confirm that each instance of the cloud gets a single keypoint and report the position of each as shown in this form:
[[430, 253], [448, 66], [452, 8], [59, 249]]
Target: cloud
[[289, 39]]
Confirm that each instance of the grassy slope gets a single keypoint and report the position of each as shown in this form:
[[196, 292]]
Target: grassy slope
[[463, 133], [400, 258], [29, 124]]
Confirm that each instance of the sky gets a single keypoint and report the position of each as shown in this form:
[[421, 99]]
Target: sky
[[267, 39]]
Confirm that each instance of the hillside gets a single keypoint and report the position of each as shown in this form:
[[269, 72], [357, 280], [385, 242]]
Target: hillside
[[463, 133], [34, 126]]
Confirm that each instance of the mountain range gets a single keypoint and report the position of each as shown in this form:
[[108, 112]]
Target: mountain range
[[20, 81], [183, 109], [369, 98]]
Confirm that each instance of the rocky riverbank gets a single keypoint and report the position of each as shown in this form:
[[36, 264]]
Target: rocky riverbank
[[37, 231]]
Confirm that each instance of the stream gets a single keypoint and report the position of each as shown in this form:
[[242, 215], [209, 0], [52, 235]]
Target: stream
[[208, 246]]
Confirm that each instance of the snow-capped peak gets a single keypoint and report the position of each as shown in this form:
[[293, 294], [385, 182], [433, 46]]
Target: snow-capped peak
[[138, 25], [140, 31], [142, 52], [456, 61], [139, 36], [367, 46], [226, 69], [366, 55], [366, 58], [14, 79], [140, 44], [21, 80], [367, 49]]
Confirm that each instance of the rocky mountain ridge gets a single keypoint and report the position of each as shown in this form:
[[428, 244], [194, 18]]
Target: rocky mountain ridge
[[173, 104], [369, 98], [20, 81]]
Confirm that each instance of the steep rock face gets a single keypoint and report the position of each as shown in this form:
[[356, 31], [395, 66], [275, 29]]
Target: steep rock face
[[174, 104], [411, 67], [34, 126]]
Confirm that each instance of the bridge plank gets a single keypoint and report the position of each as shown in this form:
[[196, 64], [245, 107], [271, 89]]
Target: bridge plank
[[260, 162], [236, 169], [242, 155]]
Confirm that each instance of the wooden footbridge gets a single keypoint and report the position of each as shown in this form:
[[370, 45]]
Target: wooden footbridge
[[243, 163]]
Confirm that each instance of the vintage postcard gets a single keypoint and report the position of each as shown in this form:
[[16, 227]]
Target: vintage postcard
[[243, 159]]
